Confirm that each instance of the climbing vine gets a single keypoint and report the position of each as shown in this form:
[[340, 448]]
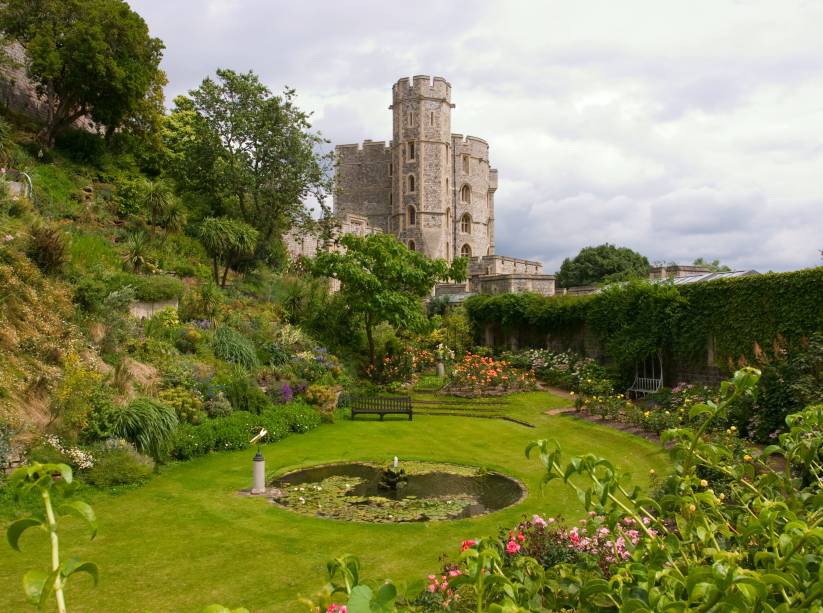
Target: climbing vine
[[743, 316]]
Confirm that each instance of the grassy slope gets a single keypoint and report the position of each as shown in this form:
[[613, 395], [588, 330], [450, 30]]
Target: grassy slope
[[187, 539]]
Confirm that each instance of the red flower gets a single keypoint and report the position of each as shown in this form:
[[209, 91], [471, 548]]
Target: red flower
[[467, 544]]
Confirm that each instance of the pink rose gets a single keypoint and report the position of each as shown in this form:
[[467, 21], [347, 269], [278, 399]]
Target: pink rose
[[538, 521], [513, 547]]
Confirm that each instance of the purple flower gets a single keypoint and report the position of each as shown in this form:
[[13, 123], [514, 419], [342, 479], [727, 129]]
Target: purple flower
[[286, 393]]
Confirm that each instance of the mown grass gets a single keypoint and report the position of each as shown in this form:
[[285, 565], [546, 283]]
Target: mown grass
[[187, 539]]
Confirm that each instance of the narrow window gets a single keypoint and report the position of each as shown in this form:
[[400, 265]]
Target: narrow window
[[411, 151], [411, 214], [411, 246], [448, 218], [466, 164], [411, 183], [431, 119], [391, 169], [448, 253], [466, 251], [466, 224], [447, 184], [466, 194], [391, 199], [410, 119]]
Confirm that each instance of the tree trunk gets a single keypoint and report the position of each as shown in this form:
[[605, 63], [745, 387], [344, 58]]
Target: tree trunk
[[225, 274], [370, 339], [215, 273]]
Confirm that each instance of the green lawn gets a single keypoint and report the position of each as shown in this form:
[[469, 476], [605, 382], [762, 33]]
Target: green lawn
[[187, 539]]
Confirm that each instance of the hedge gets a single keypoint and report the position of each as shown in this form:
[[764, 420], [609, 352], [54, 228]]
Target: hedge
[[633, 320]]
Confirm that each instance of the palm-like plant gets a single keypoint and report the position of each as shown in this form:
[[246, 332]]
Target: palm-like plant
[[157, 200], [136, 257]]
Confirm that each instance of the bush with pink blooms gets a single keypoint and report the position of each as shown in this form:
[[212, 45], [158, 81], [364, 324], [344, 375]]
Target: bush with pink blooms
[[477, 375]]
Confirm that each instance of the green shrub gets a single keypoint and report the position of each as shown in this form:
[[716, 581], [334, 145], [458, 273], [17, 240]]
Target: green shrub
[[229, 345], [121, 465], [245, 395], [218, 406], [188, 404], [82, 146], [300, 416], [148, 424], [48, 248], [233, 432]]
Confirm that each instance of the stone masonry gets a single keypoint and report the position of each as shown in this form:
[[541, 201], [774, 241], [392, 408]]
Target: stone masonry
[[432, 189]]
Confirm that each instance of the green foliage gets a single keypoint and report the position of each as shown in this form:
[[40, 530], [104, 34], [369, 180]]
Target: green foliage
[[229, 345], [188, 404], [135, 258], [381, 280], [229, 433], [737, 313], [93, 58], [148, 424], [251, 153], [119, 465], [604, 263], [244, 394], [81, 146], [228, 242], [46, 481], [634, 320], [740, 315], [714, 265], [48, 248]]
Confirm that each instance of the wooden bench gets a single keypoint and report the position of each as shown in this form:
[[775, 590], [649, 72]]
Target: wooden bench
[[377, 405]]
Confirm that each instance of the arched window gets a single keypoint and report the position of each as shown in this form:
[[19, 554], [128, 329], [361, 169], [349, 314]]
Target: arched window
[[411, 183], [466, 194], [466, 224], [411, 215], [411, 246], [466, 251]]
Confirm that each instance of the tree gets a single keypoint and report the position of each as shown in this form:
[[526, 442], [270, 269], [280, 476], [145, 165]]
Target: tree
[[157, 200], [91, 58], [604, 263], [251, 152], [228, 242], [382, 280], [714, 265]]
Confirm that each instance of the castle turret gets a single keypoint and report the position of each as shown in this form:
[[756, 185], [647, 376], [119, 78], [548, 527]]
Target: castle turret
[[422, 216]]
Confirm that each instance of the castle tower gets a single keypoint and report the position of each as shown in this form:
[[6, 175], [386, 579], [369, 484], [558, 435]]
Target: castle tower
[[422, 215]]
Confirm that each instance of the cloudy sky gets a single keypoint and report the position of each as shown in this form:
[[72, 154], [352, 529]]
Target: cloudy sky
[[680, 129]]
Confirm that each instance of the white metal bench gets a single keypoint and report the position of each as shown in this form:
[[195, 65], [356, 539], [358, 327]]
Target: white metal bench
[[648, 376]]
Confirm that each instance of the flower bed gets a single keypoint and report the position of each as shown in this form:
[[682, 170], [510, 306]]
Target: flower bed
[[478, 375]]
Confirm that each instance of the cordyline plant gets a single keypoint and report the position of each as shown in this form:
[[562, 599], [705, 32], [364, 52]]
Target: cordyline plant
[[45, 480]]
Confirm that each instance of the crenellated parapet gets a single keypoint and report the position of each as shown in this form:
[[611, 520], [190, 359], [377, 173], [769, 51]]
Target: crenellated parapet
[[422, 86]]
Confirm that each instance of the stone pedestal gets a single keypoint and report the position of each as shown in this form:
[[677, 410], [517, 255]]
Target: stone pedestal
[[258, 474], [441, 369]]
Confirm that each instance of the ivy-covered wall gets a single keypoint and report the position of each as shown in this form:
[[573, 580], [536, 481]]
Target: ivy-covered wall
[[625, 323]]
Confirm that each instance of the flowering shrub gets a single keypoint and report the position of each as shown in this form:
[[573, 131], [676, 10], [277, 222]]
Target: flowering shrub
[[83, 460], [423, 359], [188, 404], [478, 375], [566, 369]]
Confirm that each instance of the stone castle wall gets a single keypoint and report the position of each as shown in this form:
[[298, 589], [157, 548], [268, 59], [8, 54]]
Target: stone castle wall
[[412, 187]]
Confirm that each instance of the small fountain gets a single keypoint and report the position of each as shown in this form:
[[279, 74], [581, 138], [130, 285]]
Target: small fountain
[[393, 477]]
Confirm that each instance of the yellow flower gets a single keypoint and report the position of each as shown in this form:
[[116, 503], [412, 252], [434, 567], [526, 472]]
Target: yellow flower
[[692, 508], [571, 393], [722, 496], [733, 429], [652, 471], [747, 458], [646, 413], [704, 483]]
